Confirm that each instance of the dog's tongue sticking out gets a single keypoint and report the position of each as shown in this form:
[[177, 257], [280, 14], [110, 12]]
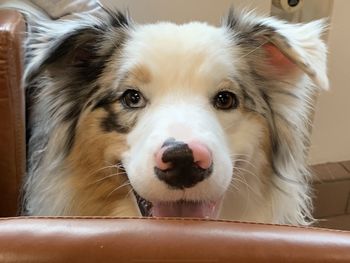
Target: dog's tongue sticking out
[[186, 209]]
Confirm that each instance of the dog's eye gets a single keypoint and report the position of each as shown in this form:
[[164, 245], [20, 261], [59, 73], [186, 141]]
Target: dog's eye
[[133, 99], [225, 100]]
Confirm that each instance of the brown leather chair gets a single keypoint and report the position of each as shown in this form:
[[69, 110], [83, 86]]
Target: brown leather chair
[[81, 239], [12, 113]]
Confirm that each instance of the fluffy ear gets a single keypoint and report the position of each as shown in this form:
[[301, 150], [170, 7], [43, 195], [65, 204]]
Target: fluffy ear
[[288, 48], [281, 66], [80, 41], [75, 52]]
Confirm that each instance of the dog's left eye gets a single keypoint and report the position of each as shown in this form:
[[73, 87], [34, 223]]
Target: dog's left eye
[[133, 99], [225, 100]]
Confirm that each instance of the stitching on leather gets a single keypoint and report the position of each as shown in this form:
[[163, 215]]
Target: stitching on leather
[[171, 219]]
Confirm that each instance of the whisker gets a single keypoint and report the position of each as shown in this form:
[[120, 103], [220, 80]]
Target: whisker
[[119, 187], [129, 192], [247, 200], [245, 162], [243, 181], [99, 170], [117, 165], [239, 154], [109, 176], [252, 51], [240, 169]]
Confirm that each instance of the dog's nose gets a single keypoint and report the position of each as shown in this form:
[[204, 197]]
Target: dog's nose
[[183, 165]]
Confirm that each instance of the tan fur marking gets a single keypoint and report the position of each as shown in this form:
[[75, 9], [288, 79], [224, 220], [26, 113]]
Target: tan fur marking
[[265, 142], [99, 187], [141, 74], [228, 84]]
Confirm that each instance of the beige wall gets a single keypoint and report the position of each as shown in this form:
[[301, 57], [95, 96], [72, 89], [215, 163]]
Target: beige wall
[[181, 11], [331, 132]]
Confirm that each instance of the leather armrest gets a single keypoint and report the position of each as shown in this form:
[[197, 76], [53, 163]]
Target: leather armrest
[[165, 240], [12, 113]]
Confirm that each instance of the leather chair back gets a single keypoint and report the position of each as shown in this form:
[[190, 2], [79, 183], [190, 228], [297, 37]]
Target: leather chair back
[[12, 112]]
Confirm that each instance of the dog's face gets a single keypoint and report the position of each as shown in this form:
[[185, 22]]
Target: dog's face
[[176, 96], [189, 111], [179, 149]]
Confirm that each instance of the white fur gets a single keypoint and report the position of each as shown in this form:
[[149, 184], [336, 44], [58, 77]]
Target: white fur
[[182, 80]]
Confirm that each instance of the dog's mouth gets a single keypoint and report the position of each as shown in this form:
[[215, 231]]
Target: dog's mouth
[[144, 205], [181, 208]]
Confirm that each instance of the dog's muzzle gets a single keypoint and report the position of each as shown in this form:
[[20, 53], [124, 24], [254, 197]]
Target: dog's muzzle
[[183, 165]]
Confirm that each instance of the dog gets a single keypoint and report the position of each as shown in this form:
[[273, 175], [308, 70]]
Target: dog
[[171, 120]]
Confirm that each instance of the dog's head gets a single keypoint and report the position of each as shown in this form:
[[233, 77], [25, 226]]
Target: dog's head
[[191, 112]]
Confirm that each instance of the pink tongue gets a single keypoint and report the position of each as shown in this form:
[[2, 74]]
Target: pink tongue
[[186, 209]]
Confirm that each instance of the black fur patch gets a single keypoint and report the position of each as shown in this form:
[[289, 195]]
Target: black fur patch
[[248, 34], [111, 122], [231, 19], [272, 122], [105, 100], [249, 102], [119, 19], [71, 134]]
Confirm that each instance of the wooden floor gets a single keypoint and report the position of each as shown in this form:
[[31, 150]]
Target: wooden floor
[[332, 195]]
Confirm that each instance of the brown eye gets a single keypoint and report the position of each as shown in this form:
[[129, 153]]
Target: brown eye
[[133, 99], [225, 100]]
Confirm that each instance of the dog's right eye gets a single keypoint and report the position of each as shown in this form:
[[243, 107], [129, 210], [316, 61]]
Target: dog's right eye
[[133, 99], [225, 100]]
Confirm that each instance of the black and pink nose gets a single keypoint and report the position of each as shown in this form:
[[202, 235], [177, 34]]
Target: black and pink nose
[[183, 165]]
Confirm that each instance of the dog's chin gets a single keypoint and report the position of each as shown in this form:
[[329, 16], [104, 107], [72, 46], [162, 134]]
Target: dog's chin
[[181, 208]]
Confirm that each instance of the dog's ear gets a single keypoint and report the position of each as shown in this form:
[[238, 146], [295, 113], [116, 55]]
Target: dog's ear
[[281, 67], [281, 50], [77, 43]]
